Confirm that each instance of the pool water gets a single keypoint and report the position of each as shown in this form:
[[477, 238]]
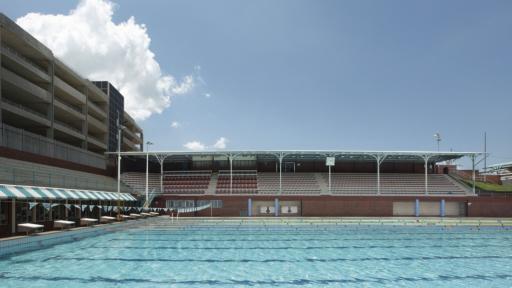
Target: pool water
[[266, 254]]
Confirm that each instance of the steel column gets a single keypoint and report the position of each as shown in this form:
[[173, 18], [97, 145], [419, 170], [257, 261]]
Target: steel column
[[474, 174], [13, 215], [230, 174], [147, 176], [426, 173]]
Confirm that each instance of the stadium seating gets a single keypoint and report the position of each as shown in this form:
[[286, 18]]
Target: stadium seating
[[32, 174], [393, 184], [244, 182], [186, 182], [137, 181], [292, 183], [251, 182]]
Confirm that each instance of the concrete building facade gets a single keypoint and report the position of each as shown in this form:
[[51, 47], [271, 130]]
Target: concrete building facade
[[50, 110]]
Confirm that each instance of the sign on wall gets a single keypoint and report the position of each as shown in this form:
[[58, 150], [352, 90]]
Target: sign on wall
[[329, 161]]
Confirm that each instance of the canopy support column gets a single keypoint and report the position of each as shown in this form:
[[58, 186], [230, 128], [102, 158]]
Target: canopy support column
[[147, 176], [13, 215], [119, 170], [473, 176], [230, 157], [425, 158], [379, 158], [161, 160], [281, 156]]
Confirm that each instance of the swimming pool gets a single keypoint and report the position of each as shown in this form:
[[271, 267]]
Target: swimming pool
[[262, 253]]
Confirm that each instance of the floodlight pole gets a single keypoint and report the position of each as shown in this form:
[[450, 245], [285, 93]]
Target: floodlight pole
[[147, 169], [119, 139]]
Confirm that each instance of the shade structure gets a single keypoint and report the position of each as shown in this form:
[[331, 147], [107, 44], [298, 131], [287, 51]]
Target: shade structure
[[46, 193]]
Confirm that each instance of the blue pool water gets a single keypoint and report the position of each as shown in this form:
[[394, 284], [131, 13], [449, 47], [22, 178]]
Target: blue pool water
[[264, 255]]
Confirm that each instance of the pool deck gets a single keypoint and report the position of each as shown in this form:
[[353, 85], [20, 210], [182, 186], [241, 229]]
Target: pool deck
[[394, 221]]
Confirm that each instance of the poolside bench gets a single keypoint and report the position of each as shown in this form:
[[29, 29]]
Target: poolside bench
[[87, 221], [63, 224], [107, 219], [29, 227]]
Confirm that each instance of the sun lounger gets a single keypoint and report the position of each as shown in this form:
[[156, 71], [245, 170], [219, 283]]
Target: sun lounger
[[107, 219], [134, 215], [88, 221], [63, 224], [29, 227], [145, 214], [124, 217], [154, 213]]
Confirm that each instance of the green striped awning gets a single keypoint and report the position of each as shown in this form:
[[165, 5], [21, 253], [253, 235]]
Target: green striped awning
[[44, 193]]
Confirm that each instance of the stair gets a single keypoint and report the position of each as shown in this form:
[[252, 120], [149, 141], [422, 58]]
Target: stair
[[213, 184], [459, 183]]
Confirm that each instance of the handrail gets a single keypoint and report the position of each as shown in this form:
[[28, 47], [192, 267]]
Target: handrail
[[24, 108]]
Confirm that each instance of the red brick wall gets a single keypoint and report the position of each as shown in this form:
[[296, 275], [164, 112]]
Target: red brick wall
[[350, 205]]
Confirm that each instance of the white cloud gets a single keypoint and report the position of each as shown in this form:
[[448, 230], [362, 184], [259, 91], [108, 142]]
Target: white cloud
[[207, 95], [91, 43], [194, 146], [221, 143], [175, 124]]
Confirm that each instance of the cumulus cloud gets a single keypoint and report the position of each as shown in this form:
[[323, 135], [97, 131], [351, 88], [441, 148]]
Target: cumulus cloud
[[221, 143], [90, 42], [175, 124], [194, 146]]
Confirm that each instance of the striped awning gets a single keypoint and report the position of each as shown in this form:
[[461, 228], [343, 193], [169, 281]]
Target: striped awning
[[45, 193]]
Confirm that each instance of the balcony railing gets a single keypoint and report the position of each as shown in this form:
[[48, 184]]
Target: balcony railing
[[24, 58], [75, 108], [22, 140], [24, 108], [68, 126]]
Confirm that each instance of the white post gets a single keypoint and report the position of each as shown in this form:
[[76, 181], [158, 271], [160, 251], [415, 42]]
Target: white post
[[13, 216], [329, 179], [119, 172], [147, 174], [426, 174], [230, 174], [281, 174], [473, 176], [162, 176], [378, 175]]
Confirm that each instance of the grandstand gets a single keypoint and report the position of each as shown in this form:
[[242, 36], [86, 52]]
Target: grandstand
[[355, 183]]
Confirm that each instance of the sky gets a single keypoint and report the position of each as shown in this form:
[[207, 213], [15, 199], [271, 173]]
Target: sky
[[295, 74]]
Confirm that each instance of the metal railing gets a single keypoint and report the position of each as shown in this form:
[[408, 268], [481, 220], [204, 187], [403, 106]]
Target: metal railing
[[21, 176], [22, 140]]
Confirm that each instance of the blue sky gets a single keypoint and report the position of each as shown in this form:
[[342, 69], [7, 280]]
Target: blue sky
[[291, 74]]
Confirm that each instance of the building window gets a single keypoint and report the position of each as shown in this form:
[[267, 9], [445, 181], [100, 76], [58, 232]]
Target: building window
[[215, 203], [179, 203]]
